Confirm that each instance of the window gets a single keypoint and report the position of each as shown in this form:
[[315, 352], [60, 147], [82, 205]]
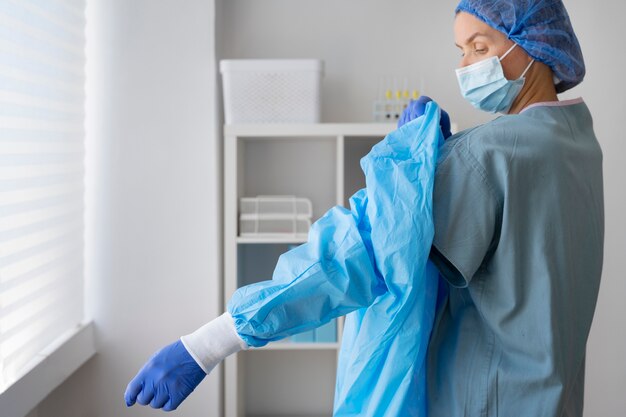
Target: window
[[42, 96]]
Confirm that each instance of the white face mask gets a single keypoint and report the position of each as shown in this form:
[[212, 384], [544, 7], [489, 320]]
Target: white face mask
[[484, 85]]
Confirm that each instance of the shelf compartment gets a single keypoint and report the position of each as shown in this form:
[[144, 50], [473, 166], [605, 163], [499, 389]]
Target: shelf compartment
[[256, 261], [301, 167], [355, 148], [287, 382]]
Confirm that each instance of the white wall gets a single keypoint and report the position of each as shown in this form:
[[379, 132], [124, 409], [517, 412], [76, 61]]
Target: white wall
[[153, 166], [361, 39], [600, 31]]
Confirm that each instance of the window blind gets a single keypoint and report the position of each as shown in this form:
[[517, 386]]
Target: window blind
[[42, 96]]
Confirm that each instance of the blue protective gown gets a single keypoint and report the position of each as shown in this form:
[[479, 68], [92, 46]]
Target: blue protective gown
[[371, 264]]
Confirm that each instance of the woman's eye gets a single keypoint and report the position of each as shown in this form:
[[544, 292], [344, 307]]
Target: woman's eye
[[480, 51]]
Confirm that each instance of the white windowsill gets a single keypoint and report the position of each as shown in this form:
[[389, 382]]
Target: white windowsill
[[48, 371]]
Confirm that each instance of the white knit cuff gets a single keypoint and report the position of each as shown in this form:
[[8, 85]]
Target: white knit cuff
[[213, 342]]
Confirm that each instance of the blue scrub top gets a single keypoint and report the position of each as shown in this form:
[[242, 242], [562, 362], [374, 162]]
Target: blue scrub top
[[519, 232]]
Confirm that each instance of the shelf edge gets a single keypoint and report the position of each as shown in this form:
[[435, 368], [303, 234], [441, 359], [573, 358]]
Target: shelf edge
[[317, 129]]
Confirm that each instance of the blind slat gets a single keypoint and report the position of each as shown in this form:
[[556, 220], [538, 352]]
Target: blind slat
[[34, 20], [31, 65], [12, 72], [38, 159], [24, 172], [37, 135], [25, 148], [36, 311], [27, 35], [12, 262], [30, 313], [30, 83], [36, 113], [25, 232], [34, 292], [69, 10], [40, 203], [39, 182], [28, 194], [59, 264], [38, 90], [27, 313], [34, 340], [54, 60]]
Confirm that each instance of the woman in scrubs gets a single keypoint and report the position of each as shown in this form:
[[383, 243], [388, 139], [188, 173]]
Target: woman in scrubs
[[519, 221], [519, 230]]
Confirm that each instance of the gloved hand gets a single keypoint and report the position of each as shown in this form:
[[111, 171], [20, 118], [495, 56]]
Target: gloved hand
[[416, 108], [166, 379]]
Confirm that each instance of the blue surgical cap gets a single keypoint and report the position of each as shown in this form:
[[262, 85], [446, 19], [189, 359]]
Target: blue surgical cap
[[541, 27]]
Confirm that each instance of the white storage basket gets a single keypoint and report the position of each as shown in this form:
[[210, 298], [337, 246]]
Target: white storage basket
[[286, 206], [273, 227], [272, 91], [274, 216]]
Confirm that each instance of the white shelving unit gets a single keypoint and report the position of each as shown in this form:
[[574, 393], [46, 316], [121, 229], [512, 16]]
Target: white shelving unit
[[317, 161]]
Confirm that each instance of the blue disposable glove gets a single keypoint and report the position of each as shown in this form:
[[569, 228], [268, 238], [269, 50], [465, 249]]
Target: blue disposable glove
[[416, 108], [166, 379]]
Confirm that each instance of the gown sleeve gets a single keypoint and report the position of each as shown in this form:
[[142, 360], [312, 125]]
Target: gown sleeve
[[331, 275]]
